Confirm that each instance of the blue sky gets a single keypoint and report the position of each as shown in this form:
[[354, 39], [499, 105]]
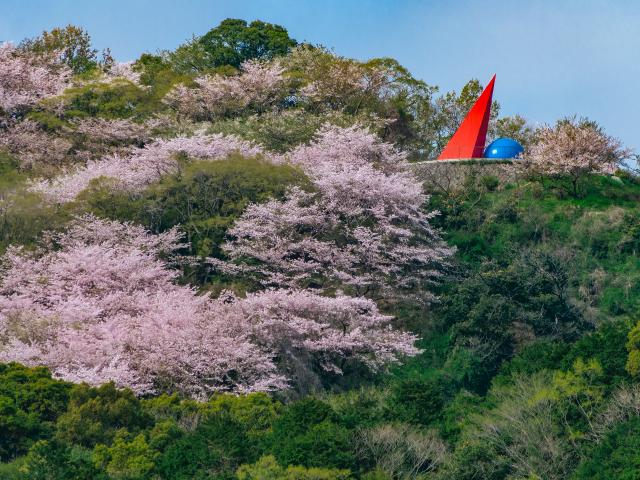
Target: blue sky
[[552, 57]]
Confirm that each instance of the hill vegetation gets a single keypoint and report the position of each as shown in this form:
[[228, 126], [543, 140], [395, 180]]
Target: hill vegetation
[[217, 264]]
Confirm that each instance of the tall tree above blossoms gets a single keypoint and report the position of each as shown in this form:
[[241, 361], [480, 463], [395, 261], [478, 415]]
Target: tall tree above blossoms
[[26, 78], [233, 42], [71, 44], [573, 149], [362, 228]]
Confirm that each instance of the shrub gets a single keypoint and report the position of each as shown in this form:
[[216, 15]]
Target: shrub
[[306, 434], [204, 198], [616, 456], [95, 415], [218, 446], [267, 468], [30, 403]]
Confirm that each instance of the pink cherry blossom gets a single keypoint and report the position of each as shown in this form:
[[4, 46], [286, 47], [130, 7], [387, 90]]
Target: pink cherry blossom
[[259, 86], [26, 78], [98, 302], [102, 306], [143, 166], [363, 227]]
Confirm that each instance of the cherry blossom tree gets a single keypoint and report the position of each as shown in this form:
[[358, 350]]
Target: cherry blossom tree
[[26, 78], [143, 166], [35, 148], [114, 131], [102, 306], [574, 148], [363, 226], [123, 70], [308, 334], [259, 87], [98, 302]]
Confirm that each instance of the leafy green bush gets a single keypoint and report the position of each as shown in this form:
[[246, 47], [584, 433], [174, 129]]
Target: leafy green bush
[[117, 99], [616, 456], [267, 468], [55, 460], [30, 403], [306, 434], [95, 415], [217, 447]]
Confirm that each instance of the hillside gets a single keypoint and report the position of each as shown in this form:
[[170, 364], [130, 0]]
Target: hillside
[[223, 263]]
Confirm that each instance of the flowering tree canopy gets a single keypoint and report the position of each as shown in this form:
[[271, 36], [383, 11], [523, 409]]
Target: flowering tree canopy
[[25, 78], [362, 227], [258, 87], [575, 148], [143, 166], [98, 303], [102, 306]]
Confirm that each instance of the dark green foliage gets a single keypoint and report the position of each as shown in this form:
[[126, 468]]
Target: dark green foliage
[[418, 400], [55, 460], [541, 355], [228, 45], [30, 403], [96, 414], [616, 456], [234, 41], [116, 99], [505, 304], [307, 434], [604, 346], [475, 460], [218, 445], [23, 215]]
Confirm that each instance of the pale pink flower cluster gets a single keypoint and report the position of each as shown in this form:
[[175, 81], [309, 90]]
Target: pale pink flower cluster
[[258, 87], [301, 327], [123, 70], [26, 78], [102, 306], [33, 146], [574, 148], [362, 227], [113, 131], [96, 304], [143, 166]]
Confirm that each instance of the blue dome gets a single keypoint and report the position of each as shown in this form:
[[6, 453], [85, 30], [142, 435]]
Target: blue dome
[[503, 148]]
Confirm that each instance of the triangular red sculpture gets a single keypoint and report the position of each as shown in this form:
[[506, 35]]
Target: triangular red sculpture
[[469, 139]]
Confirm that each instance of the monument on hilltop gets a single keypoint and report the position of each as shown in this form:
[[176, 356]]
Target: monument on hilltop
[[469, 140]]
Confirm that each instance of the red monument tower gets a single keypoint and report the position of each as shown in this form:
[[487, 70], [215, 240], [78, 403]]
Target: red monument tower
[[469, 139]]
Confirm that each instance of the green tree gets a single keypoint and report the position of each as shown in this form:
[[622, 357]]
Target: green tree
[[71, 43], [267, 468], [55, 460], [95, 415], [307, 434], [616, 456], [126, 459], [232, 42], [30, 403], [216, 448]]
